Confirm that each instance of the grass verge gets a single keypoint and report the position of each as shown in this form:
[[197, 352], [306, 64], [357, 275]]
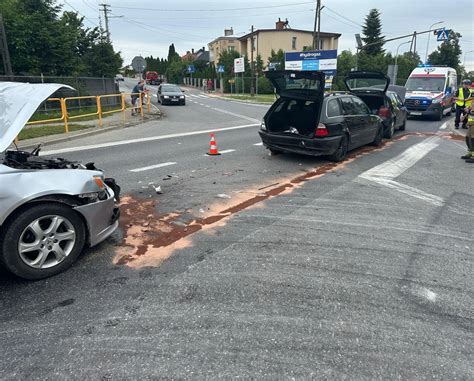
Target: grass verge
[[260, 98], [37, 132]]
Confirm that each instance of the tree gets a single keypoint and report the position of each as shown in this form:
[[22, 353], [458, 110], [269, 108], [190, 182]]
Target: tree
[[277, 58], [406, 63], [259, 65], [102, 61], [346, 61], [226, 58], [172, 55], [372, 31], [448, 53], [41, 41]]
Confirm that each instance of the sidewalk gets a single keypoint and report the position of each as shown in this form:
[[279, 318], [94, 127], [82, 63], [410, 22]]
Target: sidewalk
[[111, 122]]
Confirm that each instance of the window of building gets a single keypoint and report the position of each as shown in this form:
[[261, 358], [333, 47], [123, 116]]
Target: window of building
[[231, 48], [293, 43], [255, 43]]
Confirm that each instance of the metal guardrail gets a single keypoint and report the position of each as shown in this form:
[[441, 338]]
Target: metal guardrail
[[65, 117]]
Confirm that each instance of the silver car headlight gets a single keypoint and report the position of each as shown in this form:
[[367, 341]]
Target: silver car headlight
[[263, 126], [100, 193], [436, 100], [182, 96], [166, 96]]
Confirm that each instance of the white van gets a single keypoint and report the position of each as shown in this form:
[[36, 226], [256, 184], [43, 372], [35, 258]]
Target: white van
[[430, 91]]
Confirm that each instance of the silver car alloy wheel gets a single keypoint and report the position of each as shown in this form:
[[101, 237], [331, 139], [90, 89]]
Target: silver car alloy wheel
[[47, 241]]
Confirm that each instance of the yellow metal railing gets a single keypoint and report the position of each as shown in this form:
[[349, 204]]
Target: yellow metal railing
[[66, 117]]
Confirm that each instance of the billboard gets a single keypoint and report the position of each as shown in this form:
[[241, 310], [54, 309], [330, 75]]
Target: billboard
[[322, 60]]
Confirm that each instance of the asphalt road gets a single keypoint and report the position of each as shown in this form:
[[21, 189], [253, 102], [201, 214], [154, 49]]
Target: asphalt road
[[261, 266]]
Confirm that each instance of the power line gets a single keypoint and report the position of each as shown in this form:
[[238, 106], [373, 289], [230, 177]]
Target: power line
[[79, 13], [213, 10], [170, 32], [344, 17], [221, 17], [339, 20]]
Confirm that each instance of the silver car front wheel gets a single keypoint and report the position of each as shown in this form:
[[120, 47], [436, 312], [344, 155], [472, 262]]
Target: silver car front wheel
[[42, 240], [47, 241]]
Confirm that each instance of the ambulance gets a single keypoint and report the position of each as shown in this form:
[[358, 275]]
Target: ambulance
[[430, 91]]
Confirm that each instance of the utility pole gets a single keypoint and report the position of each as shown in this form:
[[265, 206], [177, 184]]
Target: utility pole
[[106, 10], [7, 66], [316, 17], [252, 65], [318, 37]]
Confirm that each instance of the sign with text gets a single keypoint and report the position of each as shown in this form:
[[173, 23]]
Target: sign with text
[[239, 65], [320, 60]]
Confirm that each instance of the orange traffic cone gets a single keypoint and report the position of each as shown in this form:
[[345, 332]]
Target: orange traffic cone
[[213, 148]]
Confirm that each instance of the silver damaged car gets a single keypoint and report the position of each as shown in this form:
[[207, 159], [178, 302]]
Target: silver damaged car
[[50, 208]]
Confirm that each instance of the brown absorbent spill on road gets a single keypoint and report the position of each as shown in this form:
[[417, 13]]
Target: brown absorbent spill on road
[[150, 239]]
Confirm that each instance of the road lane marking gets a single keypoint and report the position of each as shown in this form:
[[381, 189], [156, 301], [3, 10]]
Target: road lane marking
[[227, 151], [385, 173], [237, 115], [144, 140], [258, 144], [444, 126], [152, 167]]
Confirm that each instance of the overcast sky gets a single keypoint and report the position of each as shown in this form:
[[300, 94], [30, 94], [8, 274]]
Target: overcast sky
[[149, 27]]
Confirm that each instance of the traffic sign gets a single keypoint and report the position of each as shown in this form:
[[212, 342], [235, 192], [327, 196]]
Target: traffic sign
[[231, 81], [442, 35], [139, 64], [191, 69], [220, 68], [239, 65]]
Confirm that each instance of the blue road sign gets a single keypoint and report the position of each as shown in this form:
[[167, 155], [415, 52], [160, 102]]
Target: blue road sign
[[191, 69], [220, 68], [442, 35]]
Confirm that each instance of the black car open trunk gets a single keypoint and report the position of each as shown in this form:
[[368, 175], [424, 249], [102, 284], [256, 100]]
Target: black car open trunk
[[373, 100], [294, 116]]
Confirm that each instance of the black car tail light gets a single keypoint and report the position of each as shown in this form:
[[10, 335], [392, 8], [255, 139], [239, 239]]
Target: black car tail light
[[321, 131]]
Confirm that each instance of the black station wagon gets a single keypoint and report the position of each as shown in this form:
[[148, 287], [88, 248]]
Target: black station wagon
[[307, 121]]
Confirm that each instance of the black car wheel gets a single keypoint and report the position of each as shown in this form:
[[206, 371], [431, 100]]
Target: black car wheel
[[378, 138], [42, 241], [391, 130], [439, 115], [341, 152], [404, 125]]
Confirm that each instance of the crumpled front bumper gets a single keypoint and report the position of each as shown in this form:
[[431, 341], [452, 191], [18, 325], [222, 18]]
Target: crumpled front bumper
[[101, 217]]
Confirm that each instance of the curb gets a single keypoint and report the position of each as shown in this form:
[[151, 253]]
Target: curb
[[62, 139]]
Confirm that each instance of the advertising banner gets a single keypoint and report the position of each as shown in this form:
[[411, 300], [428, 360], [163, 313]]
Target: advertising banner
[[322, 60]]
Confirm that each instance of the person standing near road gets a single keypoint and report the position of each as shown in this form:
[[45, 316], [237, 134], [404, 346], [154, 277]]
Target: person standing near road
[[137, 90], [209, 85], [463, 98], [469, 157]]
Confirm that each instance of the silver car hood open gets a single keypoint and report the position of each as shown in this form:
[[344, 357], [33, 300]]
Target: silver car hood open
[[18, 102]]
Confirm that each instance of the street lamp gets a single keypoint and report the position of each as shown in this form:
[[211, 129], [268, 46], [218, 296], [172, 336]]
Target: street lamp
[[464, 60], [396, 60], [429, 35]]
